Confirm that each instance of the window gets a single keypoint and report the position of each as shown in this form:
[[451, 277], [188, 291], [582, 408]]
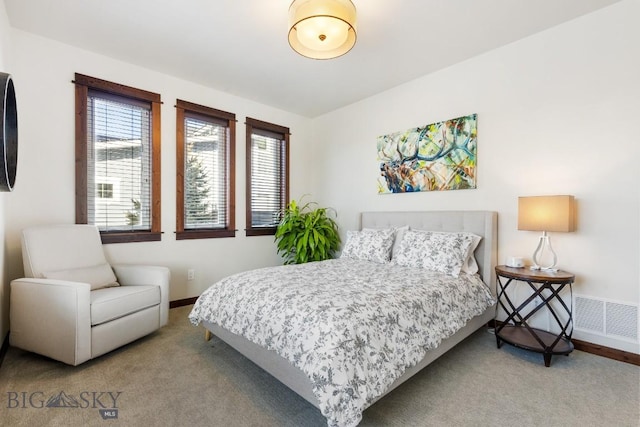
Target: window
[[104, 190], [267, 175], [205, 140], [117, 160]]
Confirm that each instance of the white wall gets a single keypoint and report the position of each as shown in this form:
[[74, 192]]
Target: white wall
[[5, 198], [45, 186], [557, 114]]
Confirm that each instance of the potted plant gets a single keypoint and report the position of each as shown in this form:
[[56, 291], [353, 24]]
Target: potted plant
[[306, 233]]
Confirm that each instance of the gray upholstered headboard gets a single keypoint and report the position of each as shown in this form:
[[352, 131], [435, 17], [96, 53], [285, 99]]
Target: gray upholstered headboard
[[482, 223]]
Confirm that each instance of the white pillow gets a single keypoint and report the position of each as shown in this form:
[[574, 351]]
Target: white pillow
[[369, 244], [99, 276], [435, 251]]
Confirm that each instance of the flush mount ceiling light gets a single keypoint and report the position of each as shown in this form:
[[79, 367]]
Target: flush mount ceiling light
[[322, 29]]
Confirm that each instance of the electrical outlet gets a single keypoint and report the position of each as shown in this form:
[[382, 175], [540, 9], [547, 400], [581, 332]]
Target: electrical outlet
[[191, 274]]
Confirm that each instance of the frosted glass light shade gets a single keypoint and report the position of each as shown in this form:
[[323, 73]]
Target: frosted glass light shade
[[322, 29], [546, 213]]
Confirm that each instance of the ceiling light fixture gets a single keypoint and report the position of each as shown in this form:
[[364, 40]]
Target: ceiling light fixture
[[322, 29]]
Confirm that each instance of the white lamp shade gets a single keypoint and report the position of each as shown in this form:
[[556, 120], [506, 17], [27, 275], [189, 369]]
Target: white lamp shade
[[322, 29], [546, 213]]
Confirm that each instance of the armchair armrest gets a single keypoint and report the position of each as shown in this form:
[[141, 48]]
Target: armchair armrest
[[51, 317], [134, 274]]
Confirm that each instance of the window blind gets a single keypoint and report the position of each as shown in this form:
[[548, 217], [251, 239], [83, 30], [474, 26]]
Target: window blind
[[118, 163], [205, 173], [268, 178]]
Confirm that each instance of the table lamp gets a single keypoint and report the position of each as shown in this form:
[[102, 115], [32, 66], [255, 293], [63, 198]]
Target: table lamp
[[546, 213]]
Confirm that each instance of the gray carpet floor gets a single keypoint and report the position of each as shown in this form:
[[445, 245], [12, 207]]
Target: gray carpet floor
[[174, 378]]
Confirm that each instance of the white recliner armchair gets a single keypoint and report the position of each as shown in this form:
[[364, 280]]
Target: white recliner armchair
[[71, 306]]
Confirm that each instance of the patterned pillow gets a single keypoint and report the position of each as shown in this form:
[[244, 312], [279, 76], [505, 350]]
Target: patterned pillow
[[434, 251], [370, 244], [398, 240], [398, 233], [470, 265]]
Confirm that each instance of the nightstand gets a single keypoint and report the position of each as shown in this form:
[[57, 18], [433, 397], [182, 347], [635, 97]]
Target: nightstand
[[546, 286]]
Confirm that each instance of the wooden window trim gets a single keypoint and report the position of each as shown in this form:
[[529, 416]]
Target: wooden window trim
[[259, 124], [83, 84], [183, 107]]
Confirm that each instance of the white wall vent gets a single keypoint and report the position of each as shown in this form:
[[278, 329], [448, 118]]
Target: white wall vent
[[622, 320], [589, 314], [605, 317]]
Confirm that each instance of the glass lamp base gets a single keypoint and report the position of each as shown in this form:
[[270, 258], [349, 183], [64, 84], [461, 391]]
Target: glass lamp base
[[544, 257]]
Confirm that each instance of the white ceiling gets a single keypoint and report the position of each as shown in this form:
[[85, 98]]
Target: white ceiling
[[240, 46]]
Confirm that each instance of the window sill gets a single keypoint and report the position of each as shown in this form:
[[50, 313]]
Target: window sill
[[204, 234], [129, 236], [265, 231]]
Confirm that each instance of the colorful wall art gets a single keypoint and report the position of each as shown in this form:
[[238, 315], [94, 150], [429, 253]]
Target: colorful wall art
[[439, 156]]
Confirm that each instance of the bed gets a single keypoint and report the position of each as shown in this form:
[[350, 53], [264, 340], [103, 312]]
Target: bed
[[303, 348]]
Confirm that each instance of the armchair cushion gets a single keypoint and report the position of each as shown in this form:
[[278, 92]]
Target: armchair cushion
[[60, 247], [112, 303], [99, 276]]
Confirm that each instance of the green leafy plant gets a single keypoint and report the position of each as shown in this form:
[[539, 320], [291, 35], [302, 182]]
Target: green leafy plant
[[306, 233], [197, 190], [133, 216]]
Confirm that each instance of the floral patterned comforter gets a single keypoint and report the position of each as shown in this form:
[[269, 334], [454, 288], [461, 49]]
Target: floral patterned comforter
[[352, 326]]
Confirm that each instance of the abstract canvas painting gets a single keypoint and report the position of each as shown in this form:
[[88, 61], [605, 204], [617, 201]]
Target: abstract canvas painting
[[439, 156]]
